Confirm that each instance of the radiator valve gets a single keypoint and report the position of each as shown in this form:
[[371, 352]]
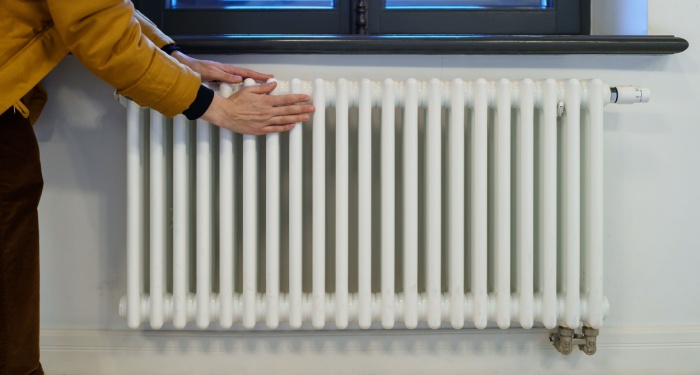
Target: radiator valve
[[565, 338], [629, 95]]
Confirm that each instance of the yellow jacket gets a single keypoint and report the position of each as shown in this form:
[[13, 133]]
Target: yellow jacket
[[109, 37]]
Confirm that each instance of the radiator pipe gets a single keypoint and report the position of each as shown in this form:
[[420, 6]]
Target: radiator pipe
[[629, 95]]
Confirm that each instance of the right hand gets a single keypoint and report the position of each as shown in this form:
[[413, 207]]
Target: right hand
[[215, 71], [252, 111]]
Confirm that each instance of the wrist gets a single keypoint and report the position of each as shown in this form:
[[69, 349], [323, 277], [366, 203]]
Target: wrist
[[216, 112], [179, 56]]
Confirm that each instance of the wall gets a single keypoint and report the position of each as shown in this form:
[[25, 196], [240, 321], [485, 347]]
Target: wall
[[652, 245]]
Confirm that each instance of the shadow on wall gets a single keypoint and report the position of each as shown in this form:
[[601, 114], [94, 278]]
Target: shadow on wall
[[81, 134]]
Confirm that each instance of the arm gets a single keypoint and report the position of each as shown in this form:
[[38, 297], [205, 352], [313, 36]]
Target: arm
[[105, 36], [220, 110], [250, 110], [151, 31], [208, 70]]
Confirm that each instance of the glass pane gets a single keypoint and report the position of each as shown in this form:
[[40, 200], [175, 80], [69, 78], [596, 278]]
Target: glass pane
[[423, 4], [251, 4]]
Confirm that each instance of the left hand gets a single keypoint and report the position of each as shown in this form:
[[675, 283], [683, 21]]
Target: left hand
[[216, 71]]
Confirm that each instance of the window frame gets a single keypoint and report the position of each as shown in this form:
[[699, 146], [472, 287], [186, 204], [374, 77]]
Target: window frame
[[567, 17]]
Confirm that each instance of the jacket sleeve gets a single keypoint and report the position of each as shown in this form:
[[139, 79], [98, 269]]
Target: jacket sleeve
[[151, 31], [106, 36]]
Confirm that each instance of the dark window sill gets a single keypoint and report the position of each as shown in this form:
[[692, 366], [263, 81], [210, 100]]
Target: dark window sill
[[432, 45]]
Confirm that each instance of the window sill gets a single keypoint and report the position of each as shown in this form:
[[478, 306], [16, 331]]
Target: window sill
[[432, 44]]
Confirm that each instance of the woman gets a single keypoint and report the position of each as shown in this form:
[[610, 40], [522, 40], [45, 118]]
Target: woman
[[125, 49]]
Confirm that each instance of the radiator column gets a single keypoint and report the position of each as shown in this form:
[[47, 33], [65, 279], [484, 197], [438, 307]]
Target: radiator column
[[250, 226], [388, 194], [181, 219], [456, 206], [433, 154], [342, 196], [272, 225], [158, 196], [501, 210], [525, 214], [204, 222], [227, 207], [365, 206], [410, 208], [571, 225], [479, 207], [548, 204], [319, 205], [135, 213], [296, 217]]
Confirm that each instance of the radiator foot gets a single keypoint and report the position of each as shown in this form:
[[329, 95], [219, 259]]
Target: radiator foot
[[565, 338]]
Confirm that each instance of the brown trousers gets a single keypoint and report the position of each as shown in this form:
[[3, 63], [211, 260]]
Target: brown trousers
[[21, 184]]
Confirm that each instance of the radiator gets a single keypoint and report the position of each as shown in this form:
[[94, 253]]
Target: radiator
[[401, 204]]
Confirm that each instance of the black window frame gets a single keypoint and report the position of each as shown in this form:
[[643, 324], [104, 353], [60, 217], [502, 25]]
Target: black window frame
[[566, 17]]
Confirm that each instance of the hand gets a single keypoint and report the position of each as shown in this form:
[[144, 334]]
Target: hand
[[216, 71], [252, 111]]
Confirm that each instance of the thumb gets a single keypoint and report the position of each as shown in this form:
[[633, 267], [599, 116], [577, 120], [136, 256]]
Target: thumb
[[263, 88]]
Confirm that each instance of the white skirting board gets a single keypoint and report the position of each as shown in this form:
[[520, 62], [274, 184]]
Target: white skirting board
[[630, 350]]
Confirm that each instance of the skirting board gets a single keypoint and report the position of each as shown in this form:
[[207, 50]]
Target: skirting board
[[630, 350]]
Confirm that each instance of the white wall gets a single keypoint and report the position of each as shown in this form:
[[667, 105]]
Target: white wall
[[652, 243], [619, 17]]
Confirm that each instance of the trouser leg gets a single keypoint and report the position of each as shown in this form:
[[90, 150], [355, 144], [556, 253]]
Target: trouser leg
[[21, 184]]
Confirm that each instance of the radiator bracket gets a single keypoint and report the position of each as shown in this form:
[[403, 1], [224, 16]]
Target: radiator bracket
[[565, 338]]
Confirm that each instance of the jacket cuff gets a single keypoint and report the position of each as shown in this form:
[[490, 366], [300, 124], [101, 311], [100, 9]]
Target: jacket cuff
[[200, 104]]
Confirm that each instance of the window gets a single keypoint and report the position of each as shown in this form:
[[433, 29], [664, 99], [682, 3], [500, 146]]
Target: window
[[252, 4], [376, 17]]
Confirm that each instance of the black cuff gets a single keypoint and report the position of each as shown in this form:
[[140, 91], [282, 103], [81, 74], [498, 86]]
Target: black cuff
[[200, 104], [170, 48]]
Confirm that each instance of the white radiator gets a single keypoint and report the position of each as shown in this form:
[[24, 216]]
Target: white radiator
[[400, 204]]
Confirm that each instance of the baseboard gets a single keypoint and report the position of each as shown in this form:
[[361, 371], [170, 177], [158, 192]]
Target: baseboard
[[638, 350]]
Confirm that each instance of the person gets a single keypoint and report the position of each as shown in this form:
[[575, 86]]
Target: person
[[123, 48]]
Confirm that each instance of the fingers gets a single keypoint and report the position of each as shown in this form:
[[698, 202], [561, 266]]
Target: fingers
[[221, 76], [216, 71], [289, 119], [277, 128], [292, 110], [284, 100], [232, 74], [247, 73], [263, 88], [277, 100], [269, 129]]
